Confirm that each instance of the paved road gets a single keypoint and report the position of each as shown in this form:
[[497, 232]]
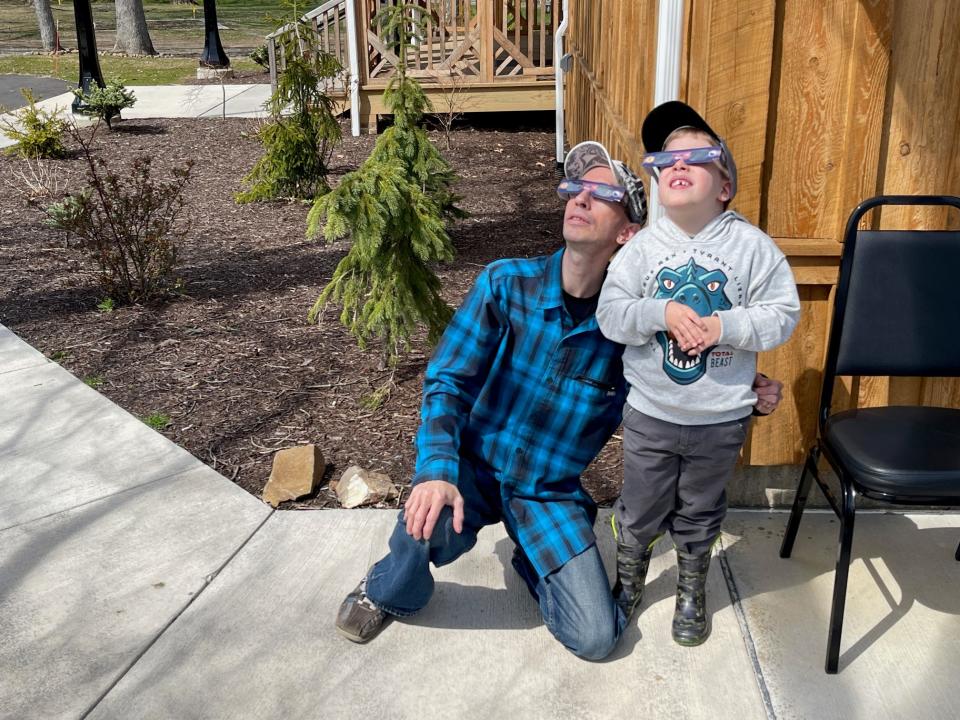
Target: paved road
[[42, 87]]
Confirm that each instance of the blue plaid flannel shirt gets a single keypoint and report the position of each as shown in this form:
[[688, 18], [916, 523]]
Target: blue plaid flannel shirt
[[527, 399]]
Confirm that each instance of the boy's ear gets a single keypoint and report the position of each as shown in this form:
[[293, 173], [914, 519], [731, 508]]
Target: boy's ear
[[724, 195], [627, 232]]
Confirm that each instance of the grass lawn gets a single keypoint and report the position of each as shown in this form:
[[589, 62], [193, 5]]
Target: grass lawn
[[174, 27], [129, 70]]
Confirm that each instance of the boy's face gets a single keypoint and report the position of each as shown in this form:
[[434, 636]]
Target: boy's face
[[699, 190]]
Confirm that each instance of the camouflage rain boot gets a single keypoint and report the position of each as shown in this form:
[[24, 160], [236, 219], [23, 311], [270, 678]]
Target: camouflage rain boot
[[690, 616], [632, 565]]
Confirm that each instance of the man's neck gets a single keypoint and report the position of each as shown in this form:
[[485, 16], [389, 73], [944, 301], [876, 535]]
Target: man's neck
[[582, 273]]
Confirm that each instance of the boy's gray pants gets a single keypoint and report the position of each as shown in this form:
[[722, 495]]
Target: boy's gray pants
[[675, 479]]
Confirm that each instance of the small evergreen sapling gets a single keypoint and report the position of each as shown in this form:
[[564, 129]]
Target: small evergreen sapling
[[298, 145], [106, 102], [38, 132], [394, 208]]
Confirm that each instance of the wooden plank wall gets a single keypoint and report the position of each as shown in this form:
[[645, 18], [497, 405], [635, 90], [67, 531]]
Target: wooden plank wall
[[611, 86], [823, 104]]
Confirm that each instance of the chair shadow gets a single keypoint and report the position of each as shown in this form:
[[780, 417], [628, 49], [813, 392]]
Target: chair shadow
[[919, 578]]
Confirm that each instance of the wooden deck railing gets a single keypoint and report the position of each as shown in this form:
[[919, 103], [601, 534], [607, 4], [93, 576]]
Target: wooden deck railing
[[478, 41], [328, 25], [482, 41]]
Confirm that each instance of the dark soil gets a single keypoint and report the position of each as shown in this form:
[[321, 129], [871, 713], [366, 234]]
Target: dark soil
[[232, 362]]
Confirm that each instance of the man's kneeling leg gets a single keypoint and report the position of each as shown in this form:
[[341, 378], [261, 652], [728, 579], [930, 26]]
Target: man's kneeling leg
[[578, 608], [401, 583]]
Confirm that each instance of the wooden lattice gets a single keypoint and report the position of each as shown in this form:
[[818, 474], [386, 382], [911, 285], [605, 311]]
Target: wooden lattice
[[479, 40]]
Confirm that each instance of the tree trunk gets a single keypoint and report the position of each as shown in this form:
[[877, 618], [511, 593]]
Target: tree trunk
[[133, 38], [48, 30]]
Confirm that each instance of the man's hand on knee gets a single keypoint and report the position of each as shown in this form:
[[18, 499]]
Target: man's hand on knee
[[425, 503]]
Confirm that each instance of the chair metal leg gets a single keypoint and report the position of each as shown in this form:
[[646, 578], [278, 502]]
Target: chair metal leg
[[956, 555], [840, 580], [799, 502]]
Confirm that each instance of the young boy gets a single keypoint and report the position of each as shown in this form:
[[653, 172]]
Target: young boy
[[694, 297]]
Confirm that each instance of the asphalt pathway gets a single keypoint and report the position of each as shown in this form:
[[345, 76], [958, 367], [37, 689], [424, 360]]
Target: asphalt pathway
[[41, 87]]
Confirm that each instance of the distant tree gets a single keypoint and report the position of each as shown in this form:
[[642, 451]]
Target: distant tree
[[133, 38], [48, 30]]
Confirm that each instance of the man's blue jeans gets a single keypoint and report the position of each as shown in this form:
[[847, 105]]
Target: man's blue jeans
[[575, 600]]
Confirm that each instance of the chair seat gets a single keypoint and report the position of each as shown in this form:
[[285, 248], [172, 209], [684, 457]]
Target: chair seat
[[905, 451]]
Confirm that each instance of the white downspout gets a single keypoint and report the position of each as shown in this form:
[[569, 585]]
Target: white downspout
[[560, 66], [669, 41], [354, 67]]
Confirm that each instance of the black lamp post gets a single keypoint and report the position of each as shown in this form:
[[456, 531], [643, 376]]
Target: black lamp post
[[213, 54], [86, 50]]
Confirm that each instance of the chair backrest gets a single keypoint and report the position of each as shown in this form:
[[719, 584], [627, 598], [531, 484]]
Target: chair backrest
[[897, 305], [902, 313]]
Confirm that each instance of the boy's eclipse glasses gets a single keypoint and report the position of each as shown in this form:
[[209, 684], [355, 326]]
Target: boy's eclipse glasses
[[693, 156], [601, 191]]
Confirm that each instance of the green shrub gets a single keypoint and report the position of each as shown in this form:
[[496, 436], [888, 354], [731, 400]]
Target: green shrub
[[106, 102], [297, 145], [39, 133], [260, 56], [128, 224]]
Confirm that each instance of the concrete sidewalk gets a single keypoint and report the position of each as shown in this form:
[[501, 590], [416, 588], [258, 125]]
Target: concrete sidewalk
[[172, 101], [135, 582]]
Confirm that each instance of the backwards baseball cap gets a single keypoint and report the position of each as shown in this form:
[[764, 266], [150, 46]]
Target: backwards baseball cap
[[588, 155], [673, 115]]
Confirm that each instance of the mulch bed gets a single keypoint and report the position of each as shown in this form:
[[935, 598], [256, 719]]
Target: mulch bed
[[232, 361]]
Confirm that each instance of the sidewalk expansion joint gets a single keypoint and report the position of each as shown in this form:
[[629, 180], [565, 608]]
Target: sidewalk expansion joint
[[745, 633], [207, 581], [92, 501]]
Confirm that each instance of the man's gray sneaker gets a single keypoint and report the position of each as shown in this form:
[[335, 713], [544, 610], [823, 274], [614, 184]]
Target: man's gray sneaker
[[358, 618]]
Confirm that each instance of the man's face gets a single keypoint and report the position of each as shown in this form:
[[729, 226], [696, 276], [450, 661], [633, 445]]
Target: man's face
[[685, 187], [589, 221]]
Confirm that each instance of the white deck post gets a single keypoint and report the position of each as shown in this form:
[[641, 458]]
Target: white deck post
[[558, 73], [354, 67]]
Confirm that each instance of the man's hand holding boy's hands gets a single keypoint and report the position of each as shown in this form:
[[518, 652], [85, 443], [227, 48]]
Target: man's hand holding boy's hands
[[687, 328]]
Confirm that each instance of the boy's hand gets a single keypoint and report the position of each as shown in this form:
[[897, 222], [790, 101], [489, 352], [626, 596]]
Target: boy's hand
[[685, 325], [711, 337]]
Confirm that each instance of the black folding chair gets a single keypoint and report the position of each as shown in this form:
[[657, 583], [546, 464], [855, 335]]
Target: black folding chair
[[895, 313]]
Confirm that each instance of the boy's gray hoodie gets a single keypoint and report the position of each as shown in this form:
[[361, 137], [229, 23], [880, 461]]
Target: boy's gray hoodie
[[730, 269]]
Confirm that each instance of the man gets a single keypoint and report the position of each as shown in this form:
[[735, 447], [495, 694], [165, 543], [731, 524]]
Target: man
[[521, 394]]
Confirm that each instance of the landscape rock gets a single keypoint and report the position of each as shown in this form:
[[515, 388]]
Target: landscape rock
[[358, 487], [296, 472]]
